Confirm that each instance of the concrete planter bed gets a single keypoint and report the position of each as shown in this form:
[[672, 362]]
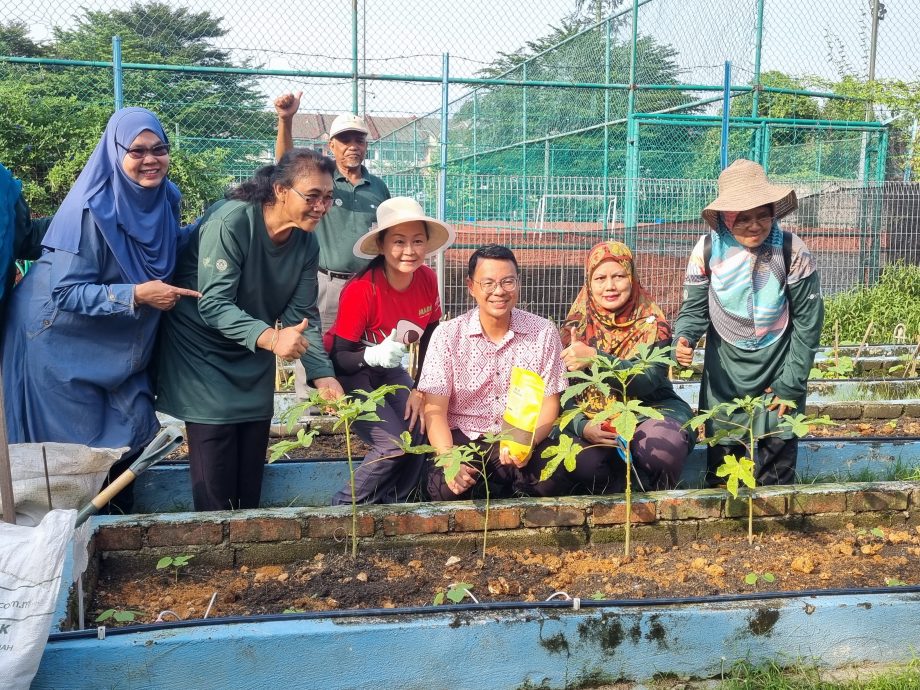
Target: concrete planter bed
[[495, 644], [166, 488]]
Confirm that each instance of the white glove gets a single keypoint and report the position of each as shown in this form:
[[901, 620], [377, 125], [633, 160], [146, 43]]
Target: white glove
[[387, 354]]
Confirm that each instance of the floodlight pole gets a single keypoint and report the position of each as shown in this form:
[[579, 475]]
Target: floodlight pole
[[873, 44]]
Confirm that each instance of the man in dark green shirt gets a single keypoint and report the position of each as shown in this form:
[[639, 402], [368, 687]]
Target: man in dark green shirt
[[356, 196]]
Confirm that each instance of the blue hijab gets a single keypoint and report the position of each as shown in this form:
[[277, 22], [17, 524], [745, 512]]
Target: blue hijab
[[10, 188], [140, 225]]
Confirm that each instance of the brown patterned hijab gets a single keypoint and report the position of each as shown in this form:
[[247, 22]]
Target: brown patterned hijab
[[640, 320]]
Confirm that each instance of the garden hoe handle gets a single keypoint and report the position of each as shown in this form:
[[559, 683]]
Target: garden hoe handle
[[165, 443]]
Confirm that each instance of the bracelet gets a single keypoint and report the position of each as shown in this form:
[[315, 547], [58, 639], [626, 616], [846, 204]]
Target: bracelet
[[274, 340]]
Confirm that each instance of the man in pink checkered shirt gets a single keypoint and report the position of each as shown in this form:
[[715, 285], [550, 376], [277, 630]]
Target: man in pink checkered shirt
[[467, 372]]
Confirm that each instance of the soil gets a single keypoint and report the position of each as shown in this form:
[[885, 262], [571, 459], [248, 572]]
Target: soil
[[852, 557]]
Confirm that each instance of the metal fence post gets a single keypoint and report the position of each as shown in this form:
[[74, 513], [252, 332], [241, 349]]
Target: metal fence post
[[755, 95], [354, 56], [442, 172], [726, 106], [606, 122], [631, 206], [524, 151], [117, 73]]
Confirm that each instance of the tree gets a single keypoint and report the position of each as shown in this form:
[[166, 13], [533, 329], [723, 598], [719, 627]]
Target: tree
[[53, 116], [200, 104]]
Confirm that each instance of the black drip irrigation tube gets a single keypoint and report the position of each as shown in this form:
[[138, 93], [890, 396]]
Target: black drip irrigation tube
[[556, 604]]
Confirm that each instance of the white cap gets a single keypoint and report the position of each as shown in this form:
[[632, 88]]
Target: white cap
[[346, 122]]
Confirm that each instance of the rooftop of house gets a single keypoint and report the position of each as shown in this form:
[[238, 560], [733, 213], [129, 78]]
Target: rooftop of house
[[315, 126]]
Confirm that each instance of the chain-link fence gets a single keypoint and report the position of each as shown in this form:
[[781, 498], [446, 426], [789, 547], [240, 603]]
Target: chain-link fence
[[565, 122]]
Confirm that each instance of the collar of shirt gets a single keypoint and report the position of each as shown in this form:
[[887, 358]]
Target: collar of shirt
[[340, 176]]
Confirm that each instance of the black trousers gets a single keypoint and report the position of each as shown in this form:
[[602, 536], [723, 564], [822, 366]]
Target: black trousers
[[774, 464], [226, 463]]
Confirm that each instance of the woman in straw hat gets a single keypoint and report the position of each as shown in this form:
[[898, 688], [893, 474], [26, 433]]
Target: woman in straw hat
[[391, 304], [611, 317], [754, 291]]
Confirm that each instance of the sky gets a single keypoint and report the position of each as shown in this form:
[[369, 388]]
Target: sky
[[803, 37]]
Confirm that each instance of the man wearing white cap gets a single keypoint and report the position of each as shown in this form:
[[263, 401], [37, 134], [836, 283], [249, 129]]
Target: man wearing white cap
[[356, 196]]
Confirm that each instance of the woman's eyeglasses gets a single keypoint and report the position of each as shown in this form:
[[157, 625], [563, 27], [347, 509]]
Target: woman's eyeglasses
[[141, 152], [313, 199], [508, 284]]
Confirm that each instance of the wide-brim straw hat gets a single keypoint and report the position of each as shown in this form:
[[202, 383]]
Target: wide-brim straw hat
[[744, 185], [402, 209]]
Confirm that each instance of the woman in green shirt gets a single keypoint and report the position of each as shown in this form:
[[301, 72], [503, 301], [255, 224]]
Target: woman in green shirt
[[254, 263], [754, 290]]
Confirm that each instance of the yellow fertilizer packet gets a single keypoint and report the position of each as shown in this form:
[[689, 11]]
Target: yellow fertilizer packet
[[525, 399]]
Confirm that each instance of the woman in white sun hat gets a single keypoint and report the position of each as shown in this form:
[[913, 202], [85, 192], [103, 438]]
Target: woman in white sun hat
[[754, 291], [385, 308]]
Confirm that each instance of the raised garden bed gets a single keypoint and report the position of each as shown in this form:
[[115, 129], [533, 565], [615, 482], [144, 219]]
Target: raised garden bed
[[678, 606]]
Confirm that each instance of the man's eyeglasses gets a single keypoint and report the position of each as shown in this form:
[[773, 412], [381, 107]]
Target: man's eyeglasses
[[508, 284], [141, 152], [312, 199]]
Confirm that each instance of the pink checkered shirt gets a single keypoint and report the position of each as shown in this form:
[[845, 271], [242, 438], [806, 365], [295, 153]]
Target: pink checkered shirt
[[463, 364]]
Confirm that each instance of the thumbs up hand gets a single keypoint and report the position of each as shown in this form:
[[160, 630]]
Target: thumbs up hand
[[683, 352], [291, 343], [577, 355], [387, 354]]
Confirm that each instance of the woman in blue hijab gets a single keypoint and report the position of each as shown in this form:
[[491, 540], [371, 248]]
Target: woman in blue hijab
[[82, 323]]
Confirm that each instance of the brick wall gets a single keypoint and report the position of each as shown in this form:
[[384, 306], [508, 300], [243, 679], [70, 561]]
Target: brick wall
[[675, 517]]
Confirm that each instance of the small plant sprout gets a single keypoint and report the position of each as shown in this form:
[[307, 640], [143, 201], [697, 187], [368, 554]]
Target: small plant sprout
[[611, 378], [455, 593], [174, 562], [119, 615], [752, 578], [293, 609], [359, 406], [894, 582], [473, 454], [736, 470]]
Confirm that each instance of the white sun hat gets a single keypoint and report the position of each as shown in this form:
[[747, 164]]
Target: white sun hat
[[744, 185], [402, 209], [346, 122]]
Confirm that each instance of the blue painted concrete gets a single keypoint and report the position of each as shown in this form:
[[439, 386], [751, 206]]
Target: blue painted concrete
[[492, 650], [166, 488]]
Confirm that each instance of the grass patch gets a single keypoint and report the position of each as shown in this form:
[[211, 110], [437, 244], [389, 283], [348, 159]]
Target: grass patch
[[799, 677]]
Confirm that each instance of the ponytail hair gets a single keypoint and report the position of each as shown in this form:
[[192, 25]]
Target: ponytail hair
[[294, 165]]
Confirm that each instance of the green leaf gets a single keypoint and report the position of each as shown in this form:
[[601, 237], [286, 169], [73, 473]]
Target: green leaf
[[626, 425], [105, 615], [894, 582], [164, 562], [458, 591], [769, 577], [438, 599], [597, 596], [700, 419], [566, 418], [877, 531], [564, 452], [124, 616], [751, 578], [686, 374]]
